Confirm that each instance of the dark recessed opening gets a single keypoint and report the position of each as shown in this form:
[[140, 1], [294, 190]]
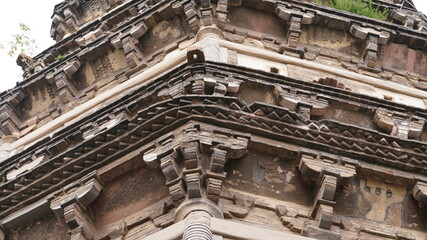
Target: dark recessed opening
[[274, 70]]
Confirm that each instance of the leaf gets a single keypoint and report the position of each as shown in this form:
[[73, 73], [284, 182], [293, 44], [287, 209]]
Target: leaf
[[22, 41], [359, 7]]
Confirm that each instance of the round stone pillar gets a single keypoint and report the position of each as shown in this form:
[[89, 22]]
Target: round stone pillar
[[197, 226]]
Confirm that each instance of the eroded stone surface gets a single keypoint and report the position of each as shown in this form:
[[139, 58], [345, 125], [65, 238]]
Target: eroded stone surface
[[287, 115]]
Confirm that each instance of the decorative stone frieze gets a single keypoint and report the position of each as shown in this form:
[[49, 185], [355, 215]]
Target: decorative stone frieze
[[133, 53], [89, 37]]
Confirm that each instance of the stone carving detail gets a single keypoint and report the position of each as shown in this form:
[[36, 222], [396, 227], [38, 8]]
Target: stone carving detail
[[295, 18], [119, 231], [72, 206], [419, 192], [192, 17], [221, 13], [9, 119], [68, 17], [328, 81], [184, 163], [399, 125], [409, 19], [326, 173], [29, 65], [195, 55], [66, 20], [26, 63], [372, 38], [101, 66], [89, 37], [203, 86], [129, 43], [80, 224], [300, 102], [63, 78], [206, 12]]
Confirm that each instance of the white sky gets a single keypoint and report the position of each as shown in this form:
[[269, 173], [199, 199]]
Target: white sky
[[36, 14]]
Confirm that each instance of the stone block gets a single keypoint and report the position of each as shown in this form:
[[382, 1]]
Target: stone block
[[322, 234]]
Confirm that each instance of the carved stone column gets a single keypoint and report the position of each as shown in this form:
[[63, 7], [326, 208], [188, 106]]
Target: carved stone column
[[197, 226]]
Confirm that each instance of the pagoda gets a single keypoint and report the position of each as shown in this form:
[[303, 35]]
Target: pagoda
[[219, 120]]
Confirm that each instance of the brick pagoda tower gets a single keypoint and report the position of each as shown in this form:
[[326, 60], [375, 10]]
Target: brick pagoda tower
[[218, 120]]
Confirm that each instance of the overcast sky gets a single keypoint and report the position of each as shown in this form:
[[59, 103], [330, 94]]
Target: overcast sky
[[36, 14]]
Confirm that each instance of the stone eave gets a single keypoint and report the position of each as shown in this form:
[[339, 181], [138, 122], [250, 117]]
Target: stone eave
[[107, 38], [116, 145], [364, 21], [328, 93]]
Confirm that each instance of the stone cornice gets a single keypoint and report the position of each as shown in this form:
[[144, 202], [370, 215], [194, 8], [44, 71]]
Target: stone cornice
[[153, 122], [331, 94], [314, 8]]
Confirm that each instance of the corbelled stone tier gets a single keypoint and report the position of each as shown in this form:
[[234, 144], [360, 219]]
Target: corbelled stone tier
[[175, 119]]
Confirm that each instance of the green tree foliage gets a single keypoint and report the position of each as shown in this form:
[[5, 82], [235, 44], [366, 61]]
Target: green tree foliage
[[359, 7], [22, 42]]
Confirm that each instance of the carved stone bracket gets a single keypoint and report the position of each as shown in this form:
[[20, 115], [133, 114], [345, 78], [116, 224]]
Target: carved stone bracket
[[67, 18], [129, 43], [118, 231], [72, 206], [202, 86], [221, 13], [206, 13], [409, 19], [327, 173], [372, 39], [89, 37], [63, 80], [65, 21], [9, 119], [303, 103], [185, 162], [190, 12], [419, 192], [220, 87], [397, 125], [294, 18]]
